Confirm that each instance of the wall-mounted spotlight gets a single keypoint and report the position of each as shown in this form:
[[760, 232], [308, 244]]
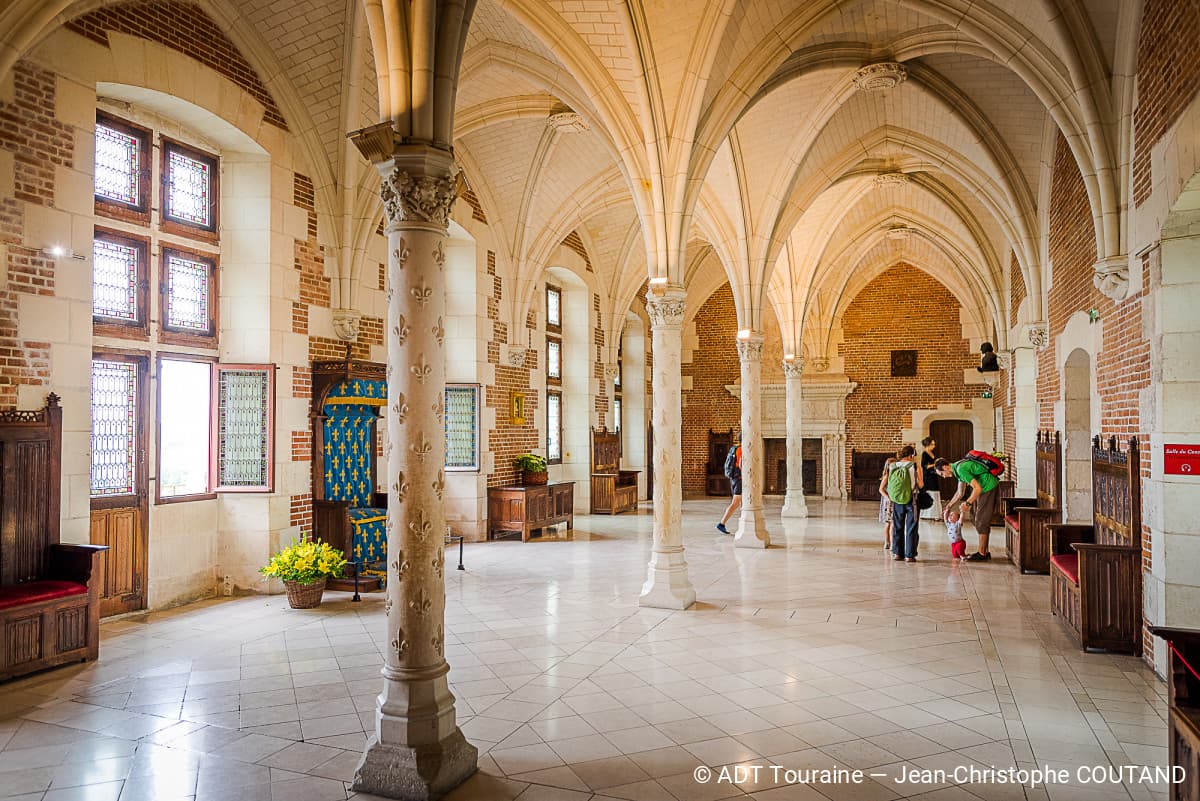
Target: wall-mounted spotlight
[[60, 252]]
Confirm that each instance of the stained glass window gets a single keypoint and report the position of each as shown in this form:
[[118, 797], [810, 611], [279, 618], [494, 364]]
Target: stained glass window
[[114, 428], [244, 443], [553, 306], [118, 166], [554, 427], [115, 280], [462, 427], [188, 188], [188, 290], [553, 358]]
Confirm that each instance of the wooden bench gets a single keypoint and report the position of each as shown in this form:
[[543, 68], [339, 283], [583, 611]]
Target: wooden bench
[[1096, 570], [528, 508], [1183, 716], [613, 490], [1026, 519], [49, 592]]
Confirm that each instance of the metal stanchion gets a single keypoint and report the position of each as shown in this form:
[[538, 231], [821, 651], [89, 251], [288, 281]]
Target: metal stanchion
[[357, 567]]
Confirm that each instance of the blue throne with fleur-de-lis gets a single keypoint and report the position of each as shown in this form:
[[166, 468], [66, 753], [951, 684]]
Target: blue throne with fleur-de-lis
[[347, 511]]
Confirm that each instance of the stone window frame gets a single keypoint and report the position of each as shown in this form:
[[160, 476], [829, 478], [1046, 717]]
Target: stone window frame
[[554, 325], [138, 213], [555, 394], [133, 329]]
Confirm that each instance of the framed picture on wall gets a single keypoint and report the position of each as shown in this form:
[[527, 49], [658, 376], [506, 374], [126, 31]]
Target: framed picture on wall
[[516, 408], [904, 363]]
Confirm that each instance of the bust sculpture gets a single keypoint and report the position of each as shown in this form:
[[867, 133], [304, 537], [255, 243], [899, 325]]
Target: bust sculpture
[[988, 363]]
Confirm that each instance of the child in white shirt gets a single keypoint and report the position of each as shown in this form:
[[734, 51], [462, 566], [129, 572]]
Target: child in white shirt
[[958, 546]]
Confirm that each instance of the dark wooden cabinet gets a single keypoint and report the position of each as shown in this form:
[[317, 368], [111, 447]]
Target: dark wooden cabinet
[[1183, 737], [526, 509]]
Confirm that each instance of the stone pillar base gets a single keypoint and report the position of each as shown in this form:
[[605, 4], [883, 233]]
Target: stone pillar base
[[794, 504], [668, 585], [416, 773], [752, 530]]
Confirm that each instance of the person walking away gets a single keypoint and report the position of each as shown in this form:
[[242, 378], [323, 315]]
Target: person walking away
[[934, 512], [733, 471], [984, 490], [902, 482], [885, 506]]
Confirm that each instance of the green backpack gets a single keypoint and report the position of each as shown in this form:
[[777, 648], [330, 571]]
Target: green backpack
[[899, 486]]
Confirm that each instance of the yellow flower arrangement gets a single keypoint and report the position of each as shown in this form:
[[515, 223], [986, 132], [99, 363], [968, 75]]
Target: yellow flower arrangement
[[306, 562]]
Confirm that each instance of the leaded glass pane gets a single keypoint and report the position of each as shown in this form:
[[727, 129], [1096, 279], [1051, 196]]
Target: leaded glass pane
[[114, 428], [553, 306], [243, 428], [117, 166], [187, 294], [114, 280], [553, 358], [554, 426], [189, 188], [462, 428]]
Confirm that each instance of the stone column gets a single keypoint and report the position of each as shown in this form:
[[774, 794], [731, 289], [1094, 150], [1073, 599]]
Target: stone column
[[793, 503], [667, 585], [611, 371], [752, 528], [417, 751]]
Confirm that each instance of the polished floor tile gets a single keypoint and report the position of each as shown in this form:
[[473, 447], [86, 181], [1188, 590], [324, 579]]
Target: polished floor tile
[[817, 654]]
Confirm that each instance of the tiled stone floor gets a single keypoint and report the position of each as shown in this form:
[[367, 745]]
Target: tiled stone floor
[[818, 653]]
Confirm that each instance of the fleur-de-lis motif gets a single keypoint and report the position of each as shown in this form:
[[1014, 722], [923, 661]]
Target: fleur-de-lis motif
[[400, 330], [439, 563], [399, 643], [439, 641], [387, 605], [388, 294], [400, 486], [400, 254], [439, 256], [422, 294], [439, 409], [421, 447], [403, 567], [420, 527], [421, 604], [421, 370], [400, 407], [439, 484], [439, 332]]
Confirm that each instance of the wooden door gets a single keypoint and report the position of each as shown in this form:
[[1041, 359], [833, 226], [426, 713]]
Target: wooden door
[[650, 461], [120, 507], [954, 438]]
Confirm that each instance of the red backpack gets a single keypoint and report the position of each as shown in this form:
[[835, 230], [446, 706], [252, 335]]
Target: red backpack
[[993, 465]]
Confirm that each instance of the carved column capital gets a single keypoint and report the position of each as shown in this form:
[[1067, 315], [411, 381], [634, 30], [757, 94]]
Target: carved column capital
[[1039, 335], [793, 368], [346, 324], [820, 364], [515, 355], [666, 307], [612, 370], [1111, 277], [750, 349], [1004, 359]]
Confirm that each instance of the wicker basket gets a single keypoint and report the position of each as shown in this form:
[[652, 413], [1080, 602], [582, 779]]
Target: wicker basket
[[534, 478], [304, 596]]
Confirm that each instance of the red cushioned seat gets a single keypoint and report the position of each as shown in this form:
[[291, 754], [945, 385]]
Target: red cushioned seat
[[1013, 521], [1068, 563], [32, 592]]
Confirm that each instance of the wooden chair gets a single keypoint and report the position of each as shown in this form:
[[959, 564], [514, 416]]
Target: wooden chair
[[1096, 570], [613, 490], [1026, 519], [1183, 715], [347, 511], [715, 480], [49, 592]]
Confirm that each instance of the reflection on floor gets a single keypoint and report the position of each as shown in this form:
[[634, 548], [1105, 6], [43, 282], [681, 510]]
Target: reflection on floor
[[818, 653]]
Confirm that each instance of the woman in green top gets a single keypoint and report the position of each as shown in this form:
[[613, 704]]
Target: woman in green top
[[982, 498]]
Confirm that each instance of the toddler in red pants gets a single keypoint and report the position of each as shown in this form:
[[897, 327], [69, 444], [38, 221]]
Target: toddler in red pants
[[958, 546]]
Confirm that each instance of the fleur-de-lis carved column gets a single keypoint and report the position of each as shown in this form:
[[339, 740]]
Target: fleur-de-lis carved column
[[752, 527], [417, 751], [793, 502], [667, 585]]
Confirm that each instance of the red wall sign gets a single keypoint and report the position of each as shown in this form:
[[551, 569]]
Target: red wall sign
[[1181, 460]]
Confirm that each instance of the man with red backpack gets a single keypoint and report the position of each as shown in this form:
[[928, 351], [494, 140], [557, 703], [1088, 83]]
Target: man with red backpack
[[981, 472]]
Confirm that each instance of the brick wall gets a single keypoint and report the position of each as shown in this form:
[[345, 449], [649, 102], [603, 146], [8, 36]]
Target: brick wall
[[39, 143], [507, 441], [903, 309], [708, 404], [602, 403], [187, 29], [1168, 78]]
